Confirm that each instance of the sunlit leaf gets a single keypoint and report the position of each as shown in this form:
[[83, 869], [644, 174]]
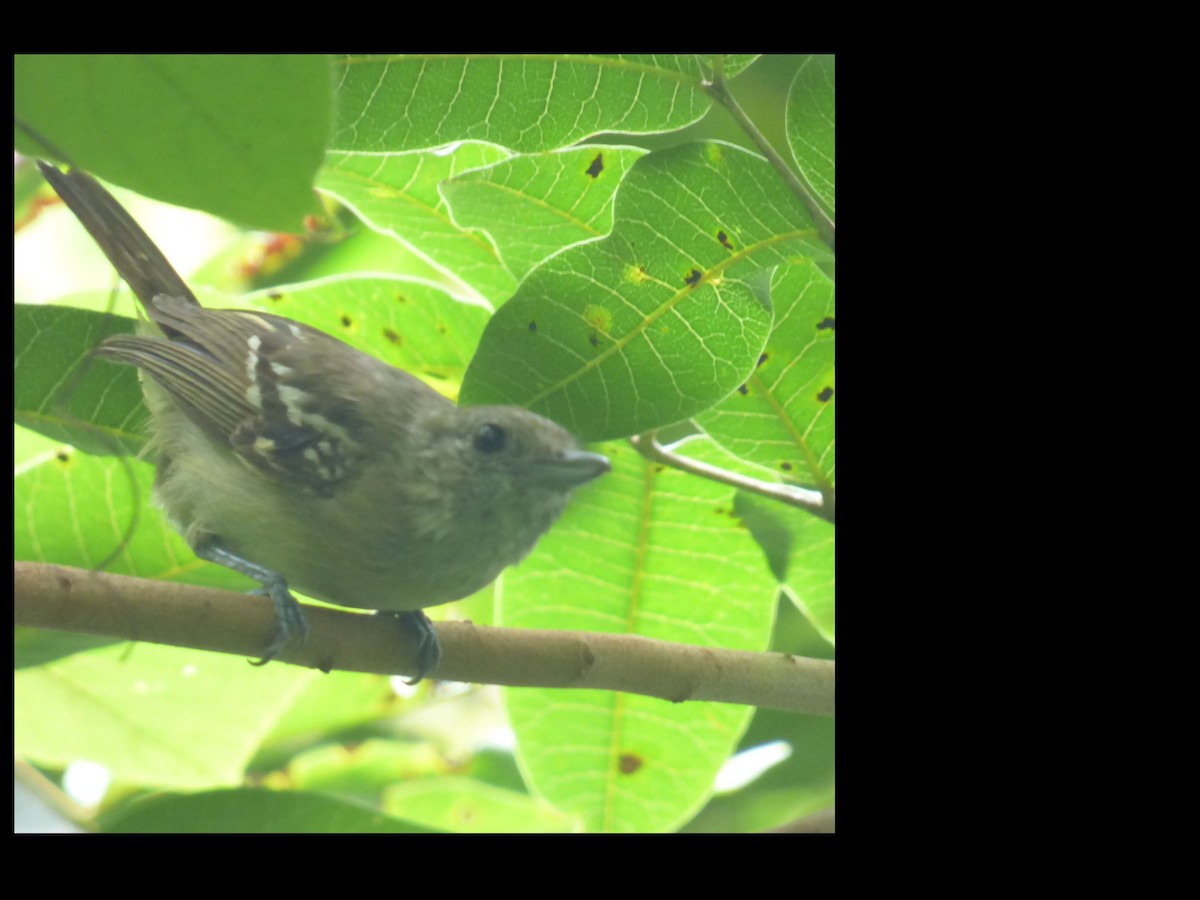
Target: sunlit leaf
[[810, 131], [165, 716], [254, 811], [536, 204], [800, 548], [397, 195], [663, 318], [239, 136], [783, 416], [666, 557], [405, 102]]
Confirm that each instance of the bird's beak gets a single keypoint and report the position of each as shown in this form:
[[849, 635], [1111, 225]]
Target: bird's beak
[[573, 468]]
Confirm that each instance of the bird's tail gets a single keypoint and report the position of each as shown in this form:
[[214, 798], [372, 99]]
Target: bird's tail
[[127, 247]]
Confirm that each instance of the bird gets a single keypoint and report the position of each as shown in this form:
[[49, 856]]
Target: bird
[[288, 456]]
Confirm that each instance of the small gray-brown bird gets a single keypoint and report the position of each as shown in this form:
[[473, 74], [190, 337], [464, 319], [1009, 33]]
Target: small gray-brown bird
[[299, 461]]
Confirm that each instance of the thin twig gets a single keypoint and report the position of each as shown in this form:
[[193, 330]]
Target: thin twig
[[820, 822], [813, 501]]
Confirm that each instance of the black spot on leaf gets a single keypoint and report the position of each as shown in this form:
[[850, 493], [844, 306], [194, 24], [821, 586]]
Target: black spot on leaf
[[346, 321], [724, 239], [275, 295], [693, 277], [742, 389], [826, 322], [786, 466], [826, 393], [762, 359], [629, 763], [597, 165], [392, 336], [594, 339], [533, 327]]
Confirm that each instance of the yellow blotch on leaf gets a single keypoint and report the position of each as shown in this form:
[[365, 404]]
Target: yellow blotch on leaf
[[636, 274], [598, 318]]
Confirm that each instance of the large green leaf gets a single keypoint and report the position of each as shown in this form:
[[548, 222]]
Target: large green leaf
[[800, 549], [528, 103], [535, 204], [397, 195], [239, 136], [783, 416], [810, 125], [653, 552], [465, 805], [59, 392], [72, 509], [800, 785], [253, 811], [663, 318], [159, 716]]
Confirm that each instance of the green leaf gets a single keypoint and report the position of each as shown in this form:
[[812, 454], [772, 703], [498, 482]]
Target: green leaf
[[333, 703], [800, 785], [72, 509], [534, 205], [663, 318], [738, 62], [665, 558], [798, 546], [800, 549], [363, 770], [253, 811], [783, 416], [467, 806], [37, 646], [528, 103], [810, 131], [152, 715], [397, 195], [60, 392], [239, 136]]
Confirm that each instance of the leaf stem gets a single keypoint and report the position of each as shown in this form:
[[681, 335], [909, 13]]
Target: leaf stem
[[718, 89], [813, 501]]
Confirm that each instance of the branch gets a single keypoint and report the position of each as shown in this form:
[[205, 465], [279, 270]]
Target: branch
[[820, 822], [66, 599], [813, 501]]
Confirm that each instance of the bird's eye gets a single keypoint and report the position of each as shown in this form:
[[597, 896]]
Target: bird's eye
[[490, 438]]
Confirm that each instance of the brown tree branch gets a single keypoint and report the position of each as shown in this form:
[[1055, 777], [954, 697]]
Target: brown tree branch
[[67, 599]]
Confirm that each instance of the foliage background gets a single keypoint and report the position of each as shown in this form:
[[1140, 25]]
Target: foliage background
[[624, 281]]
